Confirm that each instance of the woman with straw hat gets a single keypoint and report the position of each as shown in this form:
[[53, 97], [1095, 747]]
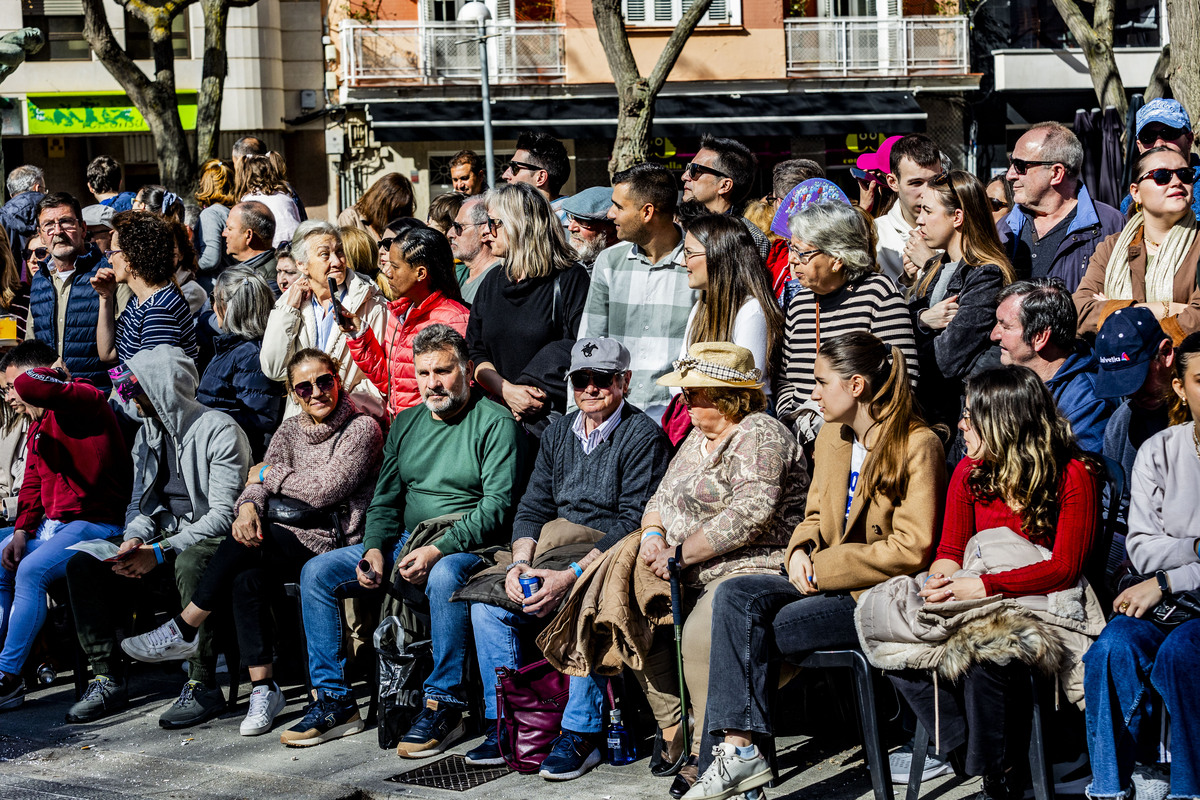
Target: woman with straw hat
[[731, 497]]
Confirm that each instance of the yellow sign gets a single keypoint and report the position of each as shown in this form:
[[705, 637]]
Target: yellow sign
[[662, 147], [58, 114]]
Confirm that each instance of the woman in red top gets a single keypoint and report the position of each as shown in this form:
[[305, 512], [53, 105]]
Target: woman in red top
[[1023, 471], [420, 271]]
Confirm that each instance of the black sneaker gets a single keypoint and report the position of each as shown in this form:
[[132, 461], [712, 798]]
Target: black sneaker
[[325, 718], [197, 703], [487, 753], [12, 692], [102, 697], [571, 755], [433, 731], [1002, 786]]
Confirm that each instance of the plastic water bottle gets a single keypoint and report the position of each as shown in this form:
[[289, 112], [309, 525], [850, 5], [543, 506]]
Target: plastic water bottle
[[46, 675], [620, 744]]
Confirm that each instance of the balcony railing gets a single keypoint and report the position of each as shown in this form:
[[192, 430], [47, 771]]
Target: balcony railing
[[876, 46], [387, 52]]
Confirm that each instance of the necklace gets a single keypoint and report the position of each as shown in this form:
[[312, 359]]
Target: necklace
[[1196, 439]]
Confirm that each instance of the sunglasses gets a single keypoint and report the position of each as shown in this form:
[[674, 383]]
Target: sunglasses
[[1148, 136], [385, 243], [324, 385], [459, 227], [997, 204], [1022, 166], [1162, 176], [516, 166], [586, 224], [694, 171], [38, 252], [493, 224], [691, 396], [601, 380]]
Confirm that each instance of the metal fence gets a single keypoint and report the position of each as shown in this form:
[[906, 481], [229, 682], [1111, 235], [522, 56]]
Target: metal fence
[[874, 46], [386, 52]]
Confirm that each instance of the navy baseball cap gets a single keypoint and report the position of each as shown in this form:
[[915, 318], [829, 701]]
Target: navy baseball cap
[[1127, 343]]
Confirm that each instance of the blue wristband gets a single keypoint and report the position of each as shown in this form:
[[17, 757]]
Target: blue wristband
[[262, 470], [652, 532], [578, 570], [158, 553]]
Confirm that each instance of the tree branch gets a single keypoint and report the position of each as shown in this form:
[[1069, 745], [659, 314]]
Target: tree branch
[[675, 42], [610, 28], [100, 36]]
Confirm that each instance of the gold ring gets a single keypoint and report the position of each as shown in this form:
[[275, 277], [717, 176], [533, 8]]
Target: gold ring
[[1124, 606]]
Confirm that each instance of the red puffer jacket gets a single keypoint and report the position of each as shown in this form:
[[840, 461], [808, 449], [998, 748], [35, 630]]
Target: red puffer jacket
[[393, 363]]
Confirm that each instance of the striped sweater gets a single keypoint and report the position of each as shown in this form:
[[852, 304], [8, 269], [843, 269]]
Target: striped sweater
[[872, 304]]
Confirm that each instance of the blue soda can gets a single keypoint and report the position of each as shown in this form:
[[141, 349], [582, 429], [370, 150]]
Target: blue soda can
[[530, 585]]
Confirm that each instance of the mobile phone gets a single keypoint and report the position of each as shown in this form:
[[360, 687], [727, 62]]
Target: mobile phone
[[333, 294]]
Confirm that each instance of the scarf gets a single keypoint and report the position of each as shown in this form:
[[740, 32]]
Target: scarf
[[1160, 276]]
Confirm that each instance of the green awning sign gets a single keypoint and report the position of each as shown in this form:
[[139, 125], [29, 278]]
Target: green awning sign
[[59, 114]]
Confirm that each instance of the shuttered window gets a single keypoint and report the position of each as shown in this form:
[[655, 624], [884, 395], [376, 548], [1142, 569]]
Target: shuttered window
[[667, 13]]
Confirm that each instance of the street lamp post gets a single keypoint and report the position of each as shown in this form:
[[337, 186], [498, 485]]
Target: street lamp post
[[477, 12]]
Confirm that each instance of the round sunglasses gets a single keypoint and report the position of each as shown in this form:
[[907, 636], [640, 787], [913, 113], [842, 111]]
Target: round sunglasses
[[324, 384]]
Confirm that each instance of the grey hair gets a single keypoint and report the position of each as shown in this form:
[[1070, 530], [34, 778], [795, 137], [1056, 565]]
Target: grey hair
[[307, 230], [245, 301], [837, 230], [1061, 146], [24, 178], [258, 217], [438, 337], [476, 209], [789, 174]]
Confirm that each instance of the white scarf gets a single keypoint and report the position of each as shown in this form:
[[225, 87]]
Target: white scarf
[[1160, 276]]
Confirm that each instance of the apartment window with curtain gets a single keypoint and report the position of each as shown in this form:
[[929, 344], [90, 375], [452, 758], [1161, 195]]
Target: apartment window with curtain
[[667, 13]]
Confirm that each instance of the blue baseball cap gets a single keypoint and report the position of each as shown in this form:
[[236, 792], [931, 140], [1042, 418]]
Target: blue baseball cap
[[1127, 343], [1165, 112], [590, 204]]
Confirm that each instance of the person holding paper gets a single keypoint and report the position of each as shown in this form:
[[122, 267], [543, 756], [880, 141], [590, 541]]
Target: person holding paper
[[77, 480]]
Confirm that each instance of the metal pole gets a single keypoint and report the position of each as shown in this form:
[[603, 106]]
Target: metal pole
[[485, 88]]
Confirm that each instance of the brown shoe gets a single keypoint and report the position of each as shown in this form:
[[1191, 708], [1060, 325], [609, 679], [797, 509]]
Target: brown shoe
[[688, 774]]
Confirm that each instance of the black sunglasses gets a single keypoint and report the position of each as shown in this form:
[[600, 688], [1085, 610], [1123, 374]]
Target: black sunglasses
[[386, 242], [1022, 166], [1162, 175], [997, 204], [37, 252], [694, 170], [1149, 136], [601, 380], [324, 384], [459, 227], [516, 166]]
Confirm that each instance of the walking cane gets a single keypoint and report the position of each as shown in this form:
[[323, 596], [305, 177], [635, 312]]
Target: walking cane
[[677, 619]]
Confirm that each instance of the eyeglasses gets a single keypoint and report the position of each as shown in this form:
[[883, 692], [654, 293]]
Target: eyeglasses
[[1022, 166], [586, 224], [516, 166], [1148, 136], [386, 243], [493, 224], [942, 179], [324, 384], [966, 416], [802, 257], [108, 254], [64, 224], [459, 227], [688, 255], [694, 171], [692, 396], [1162, 176], [37, 252], [580, 379], [997, 203]]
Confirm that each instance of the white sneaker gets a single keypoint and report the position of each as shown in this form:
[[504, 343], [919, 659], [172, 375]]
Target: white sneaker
[[900, 765], [265, 704], [729, 774], [164, 643], [1151, 782]]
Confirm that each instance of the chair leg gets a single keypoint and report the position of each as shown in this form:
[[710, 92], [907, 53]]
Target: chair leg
[[920, 749], [293, 591], [1039, 762], [880, 777]]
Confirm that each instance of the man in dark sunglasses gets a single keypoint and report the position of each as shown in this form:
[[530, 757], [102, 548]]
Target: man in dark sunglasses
[[1165, 123], [720, 176], [541, 161], [467, 245], [1057, 224]]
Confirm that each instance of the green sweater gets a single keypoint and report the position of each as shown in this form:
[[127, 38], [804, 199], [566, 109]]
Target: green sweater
[[468, 465]]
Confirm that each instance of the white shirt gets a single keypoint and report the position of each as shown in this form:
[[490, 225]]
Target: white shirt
[[857, 456], [893, 231], [749, 331], [593, 440]]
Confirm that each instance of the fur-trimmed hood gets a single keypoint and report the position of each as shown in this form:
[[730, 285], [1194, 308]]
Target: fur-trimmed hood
[[898, 630]]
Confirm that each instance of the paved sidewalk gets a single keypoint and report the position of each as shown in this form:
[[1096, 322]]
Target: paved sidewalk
[[129, 756]]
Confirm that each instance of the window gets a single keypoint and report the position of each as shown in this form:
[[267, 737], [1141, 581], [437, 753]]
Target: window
[[666, 13], [137, 37], [62, 22]]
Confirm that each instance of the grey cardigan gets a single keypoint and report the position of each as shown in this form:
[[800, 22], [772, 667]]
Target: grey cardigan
[[1163, 524]]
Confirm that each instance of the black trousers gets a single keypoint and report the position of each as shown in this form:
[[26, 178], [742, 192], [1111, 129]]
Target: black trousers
[[252, 575]]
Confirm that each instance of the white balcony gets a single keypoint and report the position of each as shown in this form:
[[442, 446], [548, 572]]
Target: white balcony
[[857, 47], [385, 53]]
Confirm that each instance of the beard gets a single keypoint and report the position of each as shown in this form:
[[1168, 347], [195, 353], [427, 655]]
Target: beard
[[445, 402], [588, 250]]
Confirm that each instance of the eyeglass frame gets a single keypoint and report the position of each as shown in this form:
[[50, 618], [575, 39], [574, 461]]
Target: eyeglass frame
[[306, 389], [1022, 165], [27, 252], [591, 376], [1179, 172], [108, 254], [460, 226], [62, 224], [691, 170], [520, 165], [803, 257], [493, 223], [1161, 133], [688, 255]]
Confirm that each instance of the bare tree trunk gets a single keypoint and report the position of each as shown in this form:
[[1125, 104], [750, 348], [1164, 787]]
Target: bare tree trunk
[[212, 79], [1097, 43], [1159, 85], [636, 94], [1184, 18]]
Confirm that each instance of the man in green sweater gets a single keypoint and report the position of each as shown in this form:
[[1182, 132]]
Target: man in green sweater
[[457, 453]]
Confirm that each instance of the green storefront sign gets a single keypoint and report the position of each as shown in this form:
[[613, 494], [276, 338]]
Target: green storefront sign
[[58, 114]]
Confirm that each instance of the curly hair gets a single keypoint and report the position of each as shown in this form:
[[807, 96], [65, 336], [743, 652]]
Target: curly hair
[[735, 404], [148, 245]]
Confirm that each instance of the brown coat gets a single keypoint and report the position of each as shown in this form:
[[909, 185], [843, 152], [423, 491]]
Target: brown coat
[[880, 539], [1093, 313]]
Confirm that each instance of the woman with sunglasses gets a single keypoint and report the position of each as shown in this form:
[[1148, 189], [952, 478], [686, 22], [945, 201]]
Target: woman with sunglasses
[[526, 313], [420, 273], [394, 230], [1152, 262], [309, 496], [1000, 197], [14, 293], [954, 303]]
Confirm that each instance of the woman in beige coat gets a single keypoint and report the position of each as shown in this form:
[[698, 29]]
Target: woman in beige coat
[[304, 315]]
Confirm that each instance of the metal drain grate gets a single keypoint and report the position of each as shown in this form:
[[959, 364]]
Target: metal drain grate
[[452, 773]]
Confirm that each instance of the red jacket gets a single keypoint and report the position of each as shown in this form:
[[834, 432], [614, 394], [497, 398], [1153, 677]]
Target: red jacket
[[394, 363], [777, 264], [78, 466]]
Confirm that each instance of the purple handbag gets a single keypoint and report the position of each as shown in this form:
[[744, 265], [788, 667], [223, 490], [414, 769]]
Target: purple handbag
[[530, 702]]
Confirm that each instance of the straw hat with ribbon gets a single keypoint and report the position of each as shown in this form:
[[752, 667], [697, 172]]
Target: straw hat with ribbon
[[717, 365]]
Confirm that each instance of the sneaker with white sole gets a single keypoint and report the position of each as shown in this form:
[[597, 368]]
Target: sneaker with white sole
[[1151, 782], [324, 719], [730, 774], [900, 765], [571, 755], [265, 704], [164, 643], [12, 691]]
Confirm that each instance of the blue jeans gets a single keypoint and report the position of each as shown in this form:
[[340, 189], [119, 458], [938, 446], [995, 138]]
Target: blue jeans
[[23, 593], [1132, 662], [497, 644]]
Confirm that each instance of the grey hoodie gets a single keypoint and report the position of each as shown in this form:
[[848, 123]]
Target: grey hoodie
[[213, 453]]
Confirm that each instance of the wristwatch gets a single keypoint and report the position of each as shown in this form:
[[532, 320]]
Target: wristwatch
[[1164, 585]]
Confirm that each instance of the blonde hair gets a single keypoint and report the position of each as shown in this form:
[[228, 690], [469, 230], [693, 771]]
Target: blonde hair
[[537, 246], [361, 251]]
